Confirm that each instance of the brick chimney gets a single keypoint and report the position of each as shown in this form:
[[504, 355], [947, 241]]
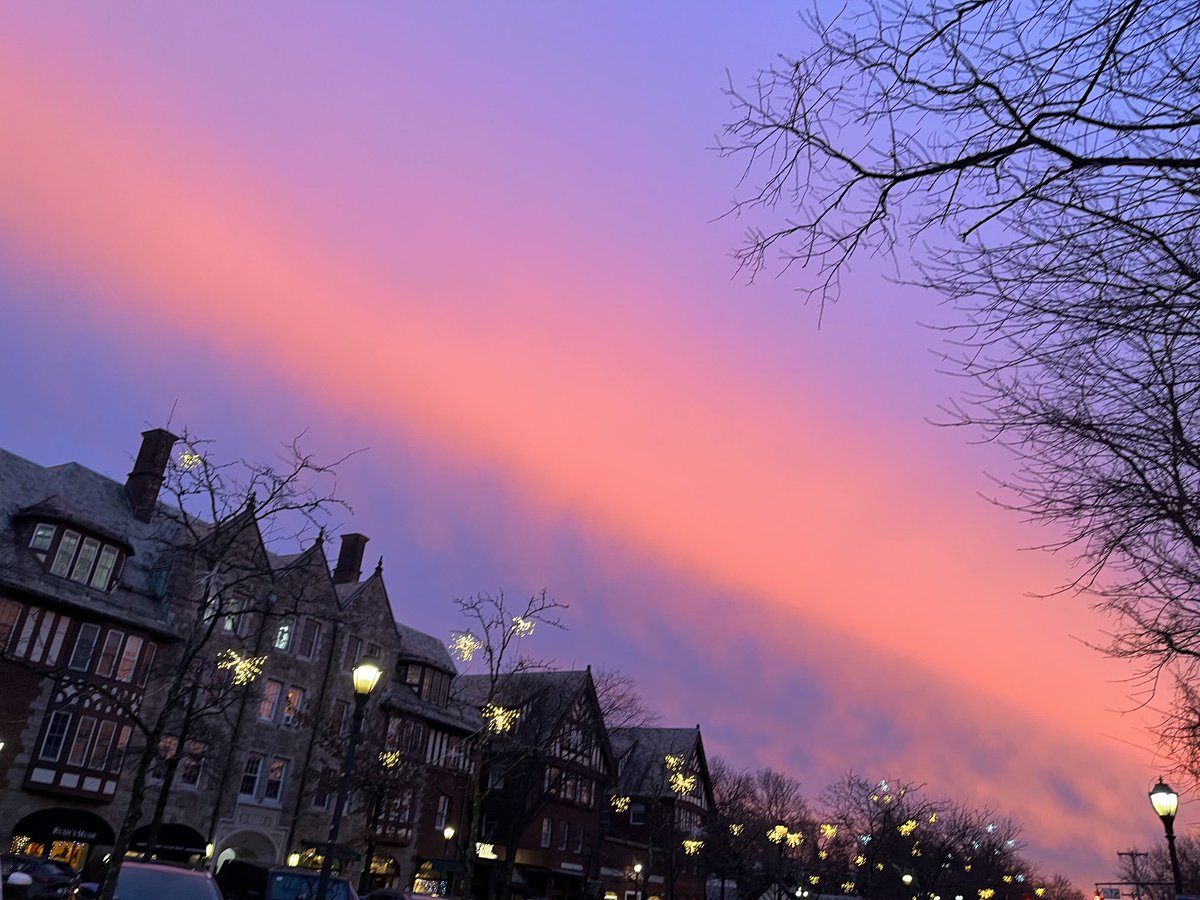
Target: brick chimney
[[146, 478], [349, 565]]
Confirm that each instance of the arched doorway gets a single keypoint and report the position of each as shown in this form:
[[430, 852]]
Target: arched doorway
[[250, 846], [61, 833]]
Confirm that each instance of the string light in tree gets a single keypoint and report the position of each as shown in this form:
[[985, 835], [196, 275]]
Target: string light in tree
[[500, 719], [908, 827], [390, 758], [621, 804], [521, 626], [465, 645], [245, 668], [829, 832], [794, 839], [691, 848], [777, 834], [683, 784], [847, 887], [189, 459], [736, 828], [860, 860], [673, 762], [987, 893]]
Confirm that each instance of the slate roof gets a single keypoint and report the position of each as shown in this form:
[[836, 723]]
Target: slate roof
[[642, 756], [99, 504], [553, 694]]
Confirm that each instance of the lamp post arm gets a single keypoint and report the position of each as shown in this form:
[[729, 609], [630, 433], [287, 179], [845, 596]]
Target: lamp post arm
[[339, 806]]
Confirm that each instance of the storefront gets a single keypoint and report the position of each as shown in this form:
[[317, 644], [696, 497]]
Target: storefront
[[61, 833], [174, 842]]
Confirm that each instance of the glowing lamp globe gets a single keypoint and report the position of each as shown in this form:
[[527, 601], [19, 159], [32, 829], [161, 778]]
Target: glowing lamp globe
[[1164, 800], [366, 675]]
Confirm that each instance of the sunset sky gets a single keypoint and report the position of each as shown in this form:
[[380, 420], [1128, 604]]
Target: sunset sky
[[488, 243]]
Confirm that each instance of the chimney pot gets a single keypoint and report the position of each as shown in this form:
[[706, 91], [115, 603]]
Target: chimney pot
[[144, 482], [349, 563]]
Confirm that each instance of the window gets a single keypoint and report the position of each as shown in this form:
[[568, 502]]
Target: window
[[353, 651], [102, 578], [564, 835], [191, 766], [443, 812], [128, 664], [283, 636], [341, 716], [85, 646], [547, 832], [9, 611], [579, 840], [147, 663], [374, 650], [82, 570], [83, 739], [269, 705], [66, 552], [108, 654], [637, 814], [276, 774], [118, 757], [168, 746], [249, 785], [310, 635], [102, 744], [231, 621], [292, 702], [43, 537], [56, 735]]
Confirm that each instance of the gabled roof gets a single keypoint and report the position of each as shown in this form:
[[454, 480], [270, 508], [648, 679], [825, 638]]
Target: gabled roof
[[545, 698], [642, 755]]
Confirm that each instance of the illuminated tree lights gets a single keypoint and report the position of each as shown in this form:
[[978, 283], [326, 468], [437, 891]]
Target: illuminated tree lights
[[521, 626], [245, 668], [390, 758], [500, 719], [692, 847], [621, 804], [683, 784], [829, 831], [189, 459], [794, 839], [673, 762], [777, 834], [736, 828], [908, 827], [465, 645]]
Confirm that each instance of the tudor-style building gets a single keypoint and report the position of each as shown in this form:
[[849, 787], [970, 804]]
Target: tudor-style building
[[546, 768], [658, 813]]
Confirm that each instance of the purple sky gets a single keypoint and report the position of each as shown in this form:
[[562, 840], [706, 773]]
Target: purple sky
[[486, 243]]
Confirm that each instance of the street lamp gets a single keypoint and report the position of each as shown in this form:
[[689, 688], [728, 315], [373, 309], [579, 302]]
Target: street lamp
[[448, 834], [1166, 803], [637, 879], [366, 675]]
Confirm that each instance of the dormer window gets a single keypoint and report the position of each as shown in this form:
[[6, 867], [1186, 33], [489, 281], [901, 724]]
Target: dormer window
[[84, 559]]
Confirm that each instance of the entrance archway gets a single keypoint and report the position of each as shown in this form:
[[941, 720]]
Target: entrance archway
[[251, 846]]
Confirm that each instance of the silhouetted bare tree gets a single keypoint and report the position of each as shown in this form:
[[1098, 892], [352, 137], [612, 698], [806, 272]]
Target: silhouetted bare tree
[[1039, 165]]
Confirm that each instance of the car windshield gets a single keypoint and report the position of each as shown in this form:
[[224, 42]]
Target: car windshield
[[155, 884], [301, 886]]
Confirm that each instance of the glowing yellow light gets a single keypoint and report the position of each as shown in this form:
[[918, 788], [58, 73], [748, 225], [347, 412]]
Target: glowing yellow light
[[673, 762], [621, 804], [1041, 892], [794, 839], [847, 887], [916, 851], [874, 798], [814, 879], [1007, 879], [465, 645], [683, 784], [736, 829], [887, 798], [967, 867], [691, 848], [828, 831], [986, 893], [777, 834], [245, 668], [189, 459], [908, 827], [933, 817], [500, 719], [860, 860], [521, 626], [824, 854], [879, 866], [390, 758]]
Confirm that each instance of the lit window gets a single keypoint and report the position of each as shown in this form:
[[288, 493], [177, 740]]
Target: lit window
[[192, 764], [270, 700], [83, 739], [102, 744], [291, 705], [66, 552], [283, 637], [443, 812], [109, 653], [43, 537], [276, 773], [547, 832]]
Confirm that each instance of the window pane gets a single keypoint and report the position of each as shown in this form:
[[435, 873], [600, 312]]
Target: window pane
[[291, 705], [129, 658], [249, 785], [56, 735], [108, 655], [66, 552], [82, 570], [283, 637], [83, 738], [118, 756], [9, 611], [270, 701], [147, 663], [43, 537], [309, 635], [85, 646], [275, 777], [104, 736], [104, 568]]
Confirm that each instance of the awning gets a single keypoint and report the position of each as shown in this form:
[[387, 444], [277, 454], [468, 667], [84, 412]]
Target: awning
[[174, 841], [62, 824]]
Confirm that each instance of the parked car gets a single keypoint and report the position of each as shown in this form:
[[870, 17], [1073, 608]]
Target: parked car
[[254, 881], [14, 885], [49, 878], [392, 894], [157, 881]]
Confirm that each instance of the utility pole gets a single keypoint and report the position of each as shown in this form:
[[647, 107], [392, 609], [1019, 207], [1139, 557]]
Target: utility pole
[[1134, 856]]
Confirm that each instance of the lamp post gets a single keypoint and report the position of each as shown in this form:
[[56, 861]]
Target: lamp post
[[448, 835], [366, 676], [1166, 803], [637, 879]]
